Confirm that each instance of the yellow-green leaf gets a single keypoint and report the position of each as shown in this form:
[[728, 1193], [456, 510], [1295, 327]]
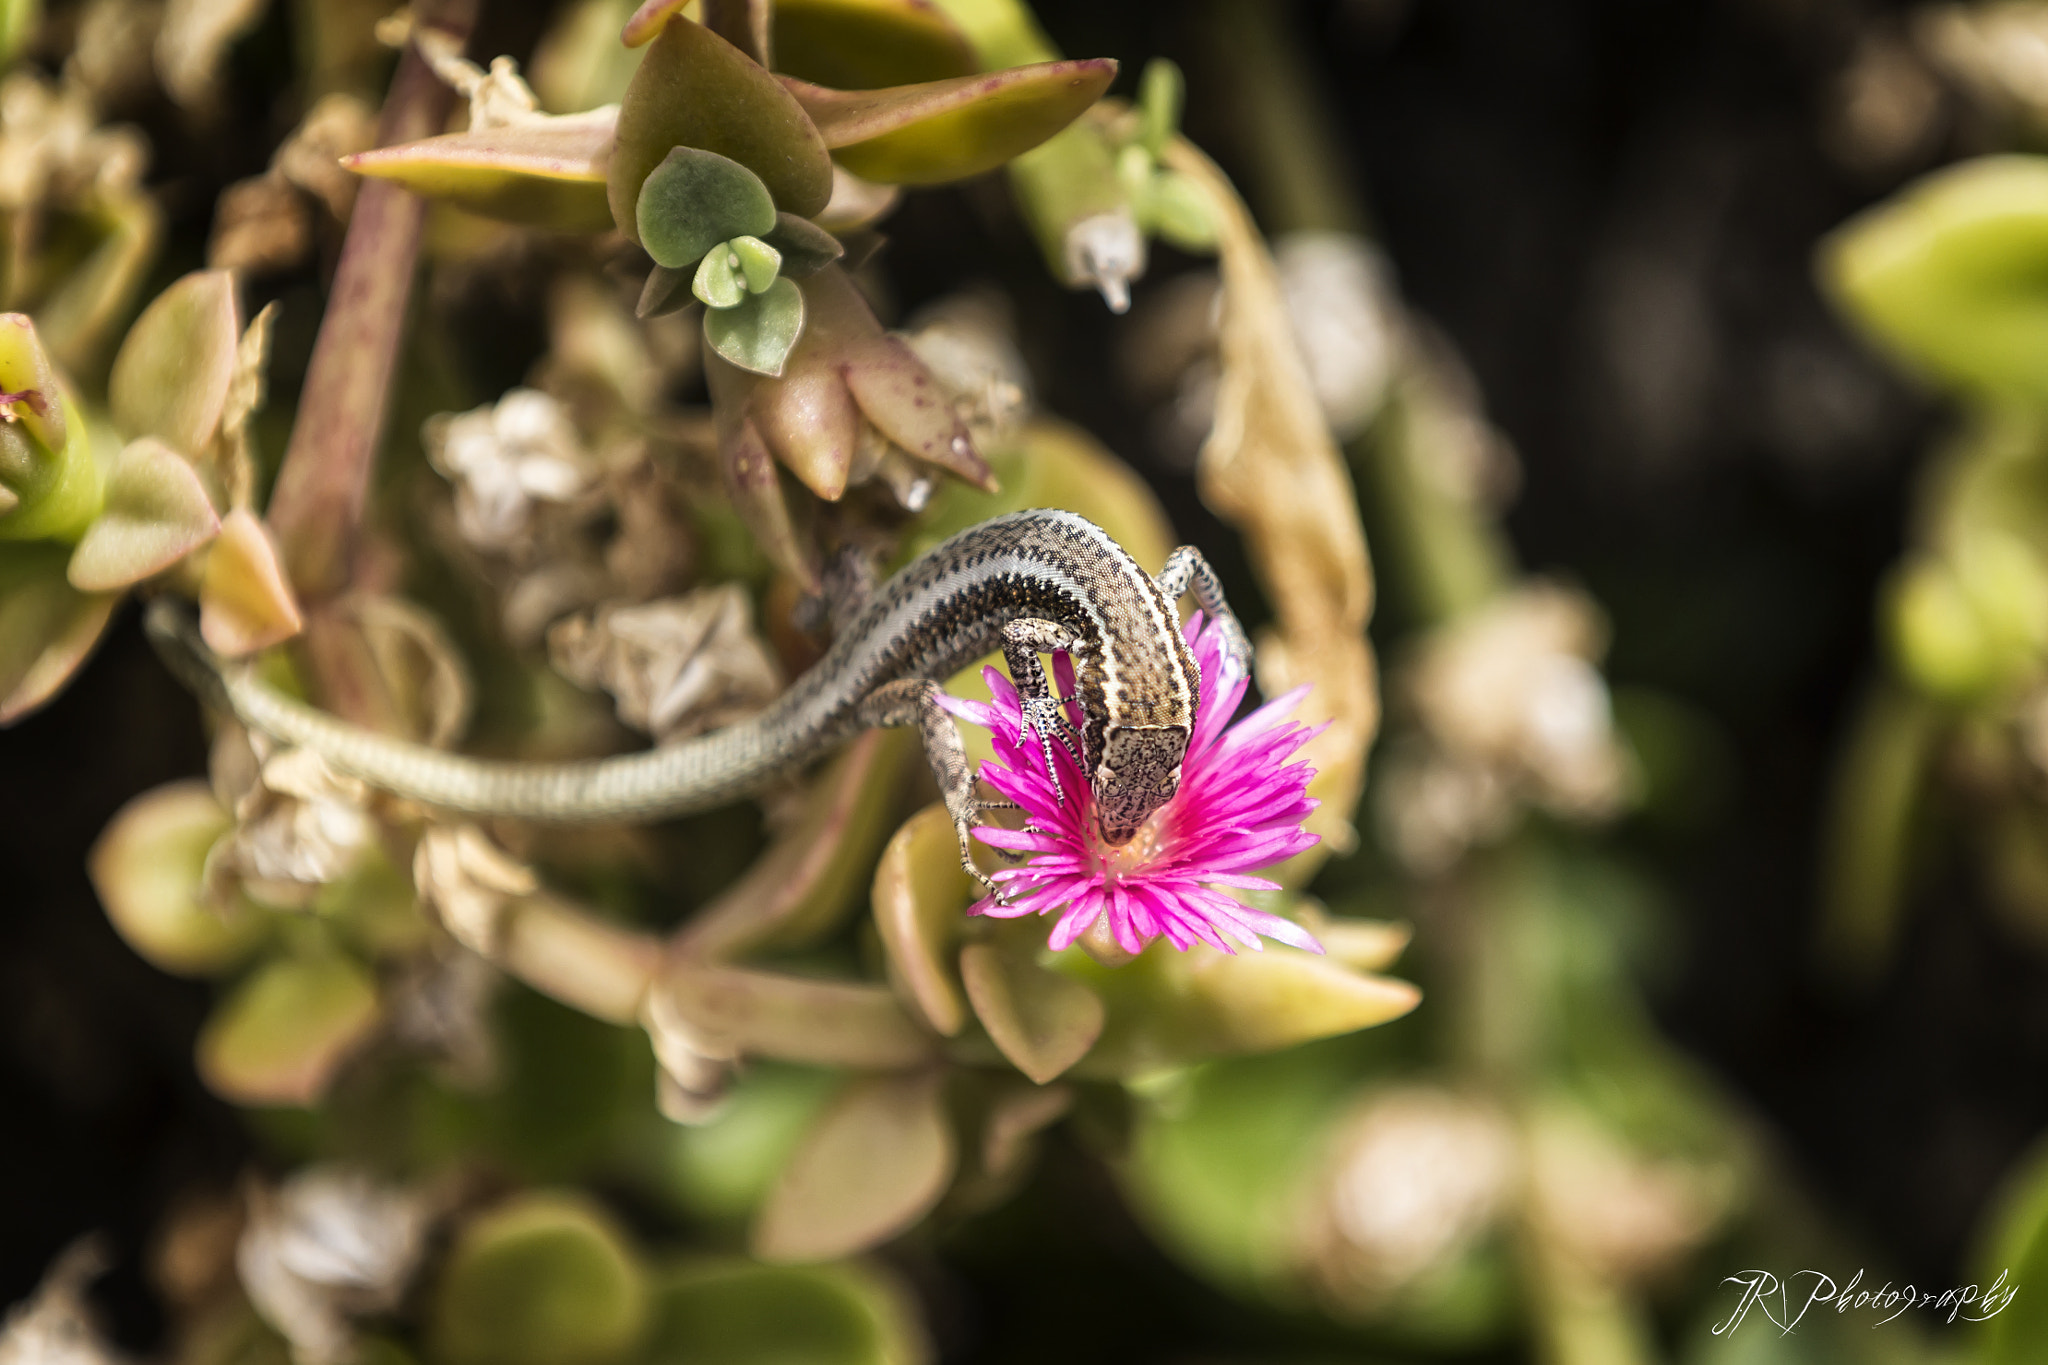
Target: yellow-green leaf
[[170, 379], [876, 1162], [948, 130], [1042, 1021], [156, 513], [546, 173], [146, 868], [868, 44], [47, 627], [279, 1039], [921, 895], [544, 1279]]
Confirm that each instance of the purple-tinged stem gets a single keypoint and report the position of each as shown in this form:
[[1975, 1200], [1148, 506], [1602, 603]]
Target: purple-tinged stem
[[317, 509]]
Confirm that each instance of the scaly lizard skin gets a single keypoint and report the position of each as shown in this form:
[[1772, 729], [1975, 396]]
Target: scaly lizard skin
[[1028, 582]]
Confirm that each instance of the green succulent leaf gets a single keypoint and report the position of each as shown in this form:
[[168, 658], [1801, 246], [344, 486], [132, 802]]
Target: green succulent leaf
[[156, 513], [875, 1163], [647, 21], [760, 332], [694, 89], [666, 291], [696, 199], [284, 1032], [51, 493], [25, 370], [544, 1279], [921, 895], [147, 867], [1042, 1021], [1161, 91], [245, 601], [738, 1312], [547, 173], [951, 129], [718, 283], [868, 44], [806, 248], [759, 263], [171, 377], [1952, 275], [732, 1012], [47, 627]]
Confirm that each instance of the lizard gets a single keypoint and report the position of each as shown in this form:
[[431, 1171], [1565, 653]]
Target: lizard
[[1026, 582]]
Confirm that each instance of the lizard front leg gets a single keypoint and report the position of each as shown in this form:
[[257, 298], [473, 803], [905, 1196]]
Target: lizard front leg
[[1024, 640], [1186, 569], [915, 701]]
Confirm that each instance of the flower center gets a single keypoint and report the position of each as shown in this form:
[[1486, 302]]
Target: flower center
[[1149, 845]]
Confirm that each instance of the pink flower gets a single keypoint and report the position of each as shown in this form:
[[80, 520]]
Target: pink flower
[[1239, 807]]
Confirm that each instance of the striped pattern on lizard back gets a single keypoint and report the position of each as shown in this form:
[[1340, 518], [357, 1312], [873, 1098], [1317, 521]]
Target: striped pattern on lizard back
[[943, 611]]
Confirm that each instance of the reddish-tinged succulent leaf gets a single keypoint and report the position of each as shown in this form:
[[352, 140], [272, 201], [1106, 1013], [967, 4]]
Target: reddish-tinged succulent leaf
[[171, 377], [806, 248], [547, 173], [903, 400], [759, 332], [731, 1013], [245, 601], [1042, 1021], [867, 44], [877, 1161], [47, 627], [948, 130], [696, 199], [743, 23], [921, 895], [750, 480], [147, 867], [809, 419], [156, 513], [285, 1031], [666, 291], [25, 371], [694, 89]]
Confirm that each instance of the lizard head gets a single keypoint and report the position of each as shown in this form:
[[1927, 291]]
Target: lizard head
[[1138, 773]]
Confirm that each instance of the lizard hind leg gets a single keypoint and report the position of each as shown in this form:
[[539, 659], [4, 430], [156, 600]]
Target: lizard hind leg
[[1186, 571], [915, 701]]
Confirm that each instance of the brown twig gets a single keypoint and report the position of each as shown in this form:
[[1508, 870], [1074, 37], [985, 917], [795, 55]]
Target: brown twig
[[317, 508]]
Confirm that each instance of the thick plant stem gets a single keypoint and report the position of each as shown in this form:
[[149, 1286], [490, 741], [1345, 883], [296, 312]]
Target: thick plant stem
[[324, 483]]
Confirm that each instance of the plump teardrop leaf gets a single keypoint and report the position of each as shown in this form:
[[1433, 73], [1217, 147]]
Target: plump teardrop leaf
[[758, 334], [747, 469], [876, 1162], [647, 20], [694, 89], [1169, 1008], [170, 379], [156, 513], [696, 199], [47, 627], [245, 601], [548, 172], [738, 1312], [1952, 275], [280, 1037], [806, 248], [146, 868], [543, 1279], [1042, 1021], [948, 130], [921, 894], [718, 282]]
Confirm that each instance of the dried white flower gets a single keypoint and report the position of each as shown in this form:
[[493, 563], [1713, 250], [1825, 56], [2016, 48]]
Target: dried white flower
[[1419, 1175], [678, 666], [1997, 52], [1345, 322], [327, 1246], [503, 460], [1625, 1217], [193, 44], [1514, 687], [468, 881], [1108, 252], [56, 1326], [298, 826], [52, 151]]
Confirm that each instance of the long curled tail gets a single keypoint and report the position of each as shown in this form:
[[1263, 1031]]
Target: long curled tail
[[674, 780]]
